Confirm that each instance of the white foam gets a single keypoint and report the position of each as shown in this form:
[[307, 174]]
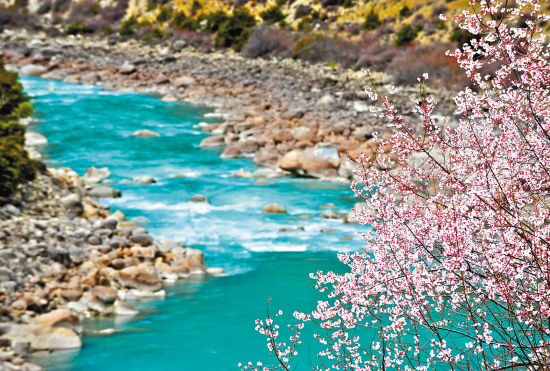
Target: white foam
[[265, 246]]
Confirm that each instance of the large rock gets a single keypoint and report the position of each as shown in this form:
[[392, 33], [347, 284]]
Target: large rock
[[311, 159], [6, 274], [42, 337], [127, 68], [274, 208], [32, 70], [33, 139], [72, 204], [145, 134], [326, 100], [95, 175], [54, 317], [135, 277], [104, 192], [144, 179], [105, 293], [215, 141], [183, 81], [142, 239]]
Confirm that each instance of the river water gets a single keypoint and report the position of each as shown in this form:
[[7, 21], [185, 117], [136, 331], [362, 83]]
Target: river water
[[204, 323]]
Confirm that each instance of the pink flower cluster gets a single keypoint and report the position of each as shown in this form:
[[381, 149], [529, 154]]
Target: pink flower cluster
[[457, 273]]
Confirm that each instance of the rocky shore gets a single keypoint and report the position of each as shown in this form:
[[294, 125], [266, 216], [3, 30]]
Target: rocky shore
[[66, 257], [303, 119]]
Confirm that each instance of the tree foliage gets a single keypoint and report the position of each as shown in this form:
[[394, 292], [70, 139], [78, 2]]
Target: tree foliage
[[456, 274]]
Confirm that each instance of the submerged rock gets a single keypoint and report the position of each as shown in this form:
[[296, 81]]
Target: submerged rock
[[199, 198], [145, 134], [274, 208], [104, 192]]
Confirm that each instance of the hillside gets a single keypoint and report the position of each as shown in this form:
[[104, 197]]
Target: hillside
[[403, 38]]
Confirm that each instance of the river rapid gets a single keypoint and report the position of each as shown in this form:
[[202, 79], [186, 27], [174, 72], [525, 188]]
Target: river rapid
[[204, 323]]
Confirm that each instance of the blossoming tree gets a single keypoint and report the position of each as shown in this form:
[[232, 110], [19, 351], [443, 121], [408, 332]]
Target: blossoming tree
[[457, 272]]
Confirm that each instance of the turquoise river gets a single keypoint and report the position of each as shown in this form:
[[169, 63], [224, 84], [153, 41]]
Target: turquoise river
[[203, 323]]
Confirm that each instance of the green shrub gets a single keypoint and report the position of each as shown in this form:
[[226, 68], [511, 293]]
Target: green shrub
[[151, 6], [348, 4], [24, 110], [372, 21], [195, 7], [15, 165], [215, 20], [164, 15], [304, 25], [406, 35], [183, 22], [108, 30], [272, 15], [128, 27], [11, 94], [405, 12], [77, 29], [235, 30]]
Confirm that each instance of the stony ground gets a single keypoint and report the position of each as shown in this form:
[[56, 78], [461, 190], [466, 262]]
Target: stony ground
[[300, 118], [66, 257]]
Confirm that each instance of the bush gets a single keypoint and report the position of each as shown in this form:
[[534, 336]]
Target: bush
[[405, 12], [183, 22], [272, 15], [164, 15], [372, 21], [128, 26], [15, 165], [24, 110], [269, 41], [406, 35], [215, 20], [77, 29], [235, 30]]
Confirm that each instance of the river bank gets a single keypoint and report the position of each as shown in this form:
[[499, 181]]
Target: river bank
[[304, 119], [66, 257]]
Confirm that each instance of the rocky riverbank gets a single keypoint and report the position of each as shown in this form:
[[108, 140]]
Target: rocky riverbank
[[304, 119], [66, 257]]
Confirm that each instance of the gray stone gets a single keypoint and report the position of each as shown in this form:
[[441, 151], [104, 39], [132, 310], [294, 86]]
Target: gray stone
[[11, 210], [94, 240], [142, 239], [34, 249], [326, 100], [6, 274], [145, 179], [199, 198], [109, 223], [127, 68], [104, 192], [77, 254], [95, 175], [140, 220], [73, 204]]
